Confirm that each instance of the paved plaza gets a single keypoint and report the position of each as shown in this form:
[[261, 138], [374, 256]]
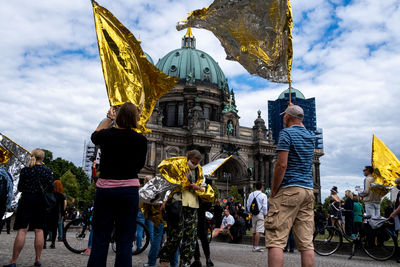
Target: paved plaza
[[223, 255]]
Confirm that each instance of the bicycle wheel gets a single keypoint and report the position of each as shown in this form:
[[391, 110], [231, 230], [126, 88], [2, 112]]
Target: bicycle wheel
[[327, 240], [209, 234], [381, 246], [76, 235], [137, 247]]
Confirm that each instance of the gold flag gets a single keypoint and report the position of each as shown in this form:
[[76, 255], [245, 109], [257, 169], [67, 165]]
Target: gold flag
[[385, 164], [256, 33], [128, 75]]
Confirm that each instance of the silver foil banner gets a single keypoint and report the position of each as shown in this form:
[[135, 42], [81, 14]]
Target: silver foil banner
[[154, 190], [19, 159]]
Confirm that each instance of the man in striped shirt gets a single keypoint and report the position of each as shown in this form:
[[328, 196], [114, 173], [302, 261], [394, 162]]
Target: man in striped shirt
[[292, 199]]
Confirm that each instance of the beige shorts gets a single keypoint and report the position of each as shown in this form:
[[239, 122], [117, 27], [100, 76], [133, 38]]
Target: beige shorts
[[258, 223], [291, 207]]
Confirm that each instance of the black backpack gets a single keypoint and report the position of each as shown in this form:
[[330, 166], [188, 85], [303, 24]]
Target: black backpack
[[254, 206]]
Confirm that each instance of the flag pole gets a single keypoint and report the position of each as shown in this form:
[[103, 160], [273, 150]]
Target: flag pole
[[290, 91]]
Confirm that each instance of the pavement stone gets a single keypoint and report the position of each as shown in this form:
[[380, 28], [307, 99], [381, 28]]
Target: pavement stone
[[223, 254]]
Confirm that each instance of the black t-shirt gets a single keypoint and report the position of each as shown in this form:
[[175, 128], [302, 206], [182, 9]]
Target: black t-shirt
[[33, 179], [123, 153]]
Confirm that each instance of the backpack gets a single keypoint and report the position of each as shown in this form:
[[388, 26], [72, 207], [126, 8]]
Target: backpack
[[254, 206]]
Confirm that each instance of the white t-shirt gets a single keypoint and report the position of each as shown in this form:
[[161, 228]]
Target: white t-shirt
[[228, 220]]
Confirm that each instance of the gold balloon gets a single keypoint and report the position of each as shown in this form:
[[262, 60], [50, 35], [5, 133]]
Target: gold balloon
[[256, 33], [128, 75]]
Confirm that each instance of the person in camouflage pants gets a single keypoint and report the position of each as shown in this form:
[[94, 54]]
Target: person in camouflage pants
[[186, 230]]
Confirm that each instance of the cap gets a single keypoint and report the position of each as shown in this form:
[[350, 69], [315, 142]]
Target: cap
[[294, 111], [334, 189]]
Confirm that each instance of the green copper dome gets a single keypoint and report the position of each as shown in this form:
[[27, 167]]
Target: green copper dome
[[293, 90], [191, 64], [148, 57]]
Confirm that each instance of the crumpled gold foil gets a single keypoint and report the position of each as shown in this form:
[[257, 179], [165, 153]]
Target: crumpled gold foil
[[174, 170], [128, 75], [4, 155], [256, 33], [386, 166]]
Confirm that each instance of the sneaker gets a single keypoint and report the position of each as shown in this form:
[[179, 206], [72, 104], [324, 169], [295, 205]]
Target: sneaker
[[10, 265], [88, 250], [53, 245], [209, 263], [37, 263], [258, 249]]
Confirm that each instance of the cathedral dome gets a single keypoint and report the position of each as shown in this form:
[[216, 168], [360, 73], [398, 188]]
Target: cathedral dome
[[148, 57], [192, 65], [293, 90]]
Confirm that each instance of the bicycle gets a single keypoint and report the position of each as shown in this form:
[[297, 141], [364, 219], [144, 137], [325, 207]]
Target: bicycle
[[76, 235], [330, 238], [210, 225]]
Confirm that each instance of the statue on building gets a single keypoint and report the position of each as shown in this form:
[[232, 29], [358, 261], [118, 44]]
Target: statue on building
[[190, 79], [230, 128], [230, 106]]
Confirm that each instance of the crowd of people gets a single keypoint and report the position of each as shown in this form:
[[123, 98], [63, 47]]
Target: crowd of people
[[177, 221]]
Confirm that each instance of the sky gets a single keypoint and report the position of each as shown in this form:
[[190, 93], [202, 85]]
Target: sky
[[346, 55]]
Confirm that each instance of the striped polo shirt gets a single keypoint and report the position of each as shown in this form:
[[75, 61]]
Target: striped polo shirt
[[300, 144]]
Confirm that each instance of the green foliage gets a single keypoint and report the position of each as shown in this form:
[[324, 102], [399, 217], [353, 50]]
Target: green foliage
[[233, 191], [384, 204], [216, 192], [70, 184], [61, 167], [89, 193], [48, 156], [326, 204]]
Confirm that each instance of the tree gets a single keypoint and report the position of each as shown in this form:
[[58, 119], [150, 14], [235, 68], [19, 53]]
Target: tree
[[233, 191], [326, 204], [216, 192], [70, 184], [384, 204]]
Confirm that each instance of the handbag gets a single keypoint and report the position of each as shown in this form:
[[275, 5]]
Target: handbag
[[173, 210], [49, 199]]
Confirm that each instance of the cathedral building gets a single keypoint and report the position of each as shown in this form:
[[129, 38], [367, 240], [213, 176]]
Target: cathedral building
[[200, 113]]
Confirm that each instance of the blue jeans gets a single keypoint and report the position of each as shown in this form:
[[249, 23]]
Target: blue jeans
[[155, 244], [119, 207], [60, 229], [139, 229]]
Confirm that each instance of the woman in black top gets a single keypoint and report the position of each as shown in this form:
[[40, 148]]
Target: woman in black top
[[123, 154], [31, 207]]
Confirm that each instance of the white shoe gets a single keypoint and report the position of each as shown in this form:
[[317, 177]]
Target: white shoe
[[257, 249]]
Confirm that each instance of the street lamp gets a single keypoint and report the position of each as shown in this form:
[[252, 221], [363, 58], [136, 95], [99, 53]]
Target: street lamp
[[227, 176]]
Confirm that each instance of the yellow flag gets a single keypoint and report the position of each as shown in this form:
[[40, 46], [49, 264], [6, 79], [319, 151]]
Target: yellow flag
[[385, 164], [256, 33], [128, 75]]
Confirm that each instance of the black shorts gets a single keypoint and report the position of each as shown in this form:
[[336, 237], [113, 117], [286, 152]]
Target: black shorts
[[30, 212]]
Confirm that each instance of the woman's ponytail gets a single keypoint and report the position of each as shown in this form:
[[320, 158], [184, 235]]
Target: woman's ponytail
[[32, 161]]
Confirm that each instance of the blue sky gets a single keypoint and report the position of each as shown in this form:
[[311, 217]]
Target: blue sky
[[346, 55]]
